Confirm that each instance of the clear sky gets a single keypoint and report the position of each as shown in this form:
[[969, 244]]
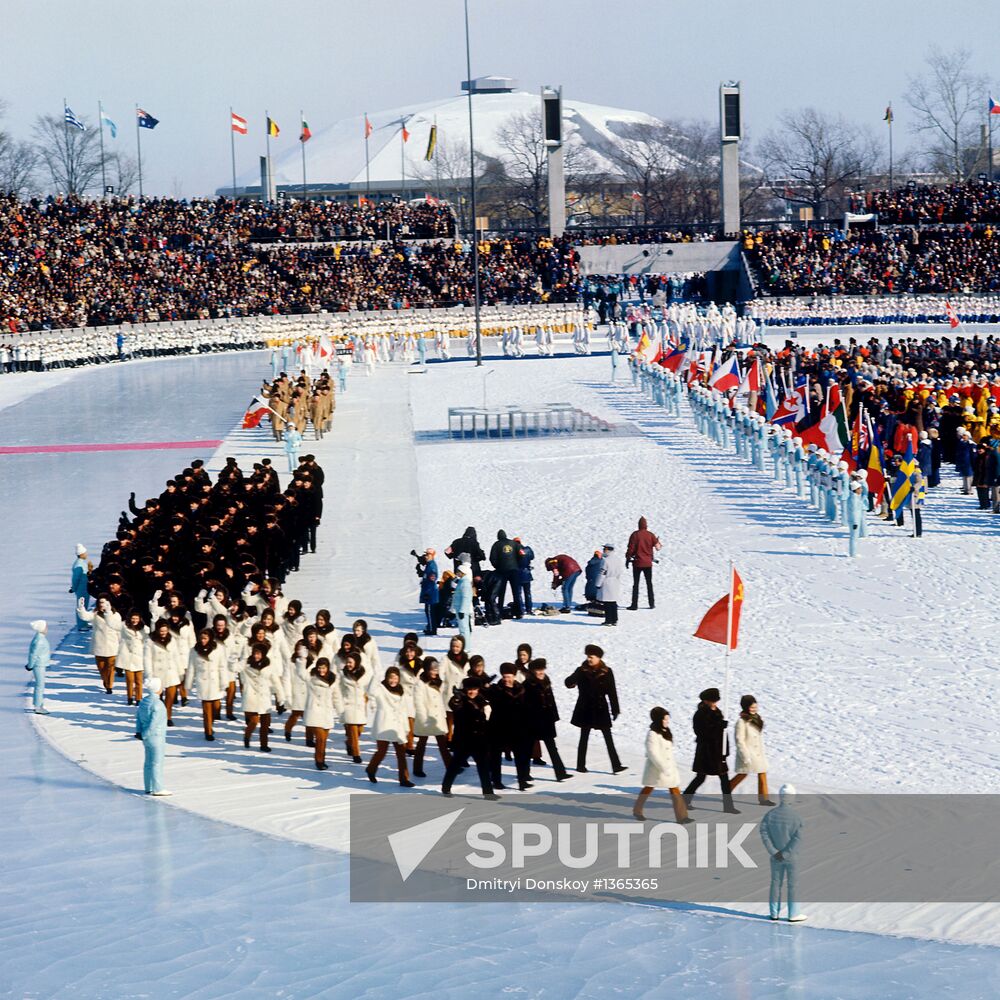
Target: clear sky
[[186, 61]]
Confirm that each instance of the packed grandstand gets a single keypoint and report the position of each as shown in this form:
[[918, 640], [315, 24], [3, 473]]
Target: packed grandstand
[[67, 262]]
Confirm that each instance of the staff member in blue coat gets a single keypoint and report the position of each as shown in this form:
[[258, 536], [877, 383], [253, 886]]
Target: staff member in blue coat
[[461, 599], [781, 832], [429, 593], [39, 657], [78, 584], [151, 728]]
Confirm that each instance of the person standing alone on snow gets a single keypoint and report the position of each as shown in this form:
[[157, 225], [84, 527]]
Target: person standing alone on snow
[[596, 705], [781, 832], [39, 658], [78, 584], [151, 728], [642, 544]]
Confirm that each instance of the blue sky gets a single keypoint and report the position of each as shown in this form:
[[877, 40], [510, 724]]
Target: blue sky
[[186, 62]]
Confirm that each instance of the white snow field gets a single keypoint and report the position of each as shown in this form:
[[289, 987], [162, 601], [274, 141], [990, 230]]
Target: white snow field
[[873, 675]]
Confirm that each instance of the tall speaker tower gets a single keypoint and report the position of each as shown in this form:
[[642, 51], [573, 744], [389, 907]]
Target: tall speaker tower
[[552, 132], [731, 132]]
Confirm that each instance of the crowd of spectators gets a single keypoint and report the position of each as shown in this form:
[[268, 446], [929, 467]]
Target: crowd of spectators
[[937, 259], [932, 204]]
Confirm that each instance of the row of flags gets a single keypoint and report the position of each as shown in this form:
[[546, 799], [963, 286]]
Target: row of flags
[[143, 119], [993, 108]]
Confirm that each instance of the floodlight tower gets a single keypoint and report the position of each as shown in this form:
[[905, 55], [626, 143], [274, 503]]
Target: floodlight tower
[[552, 132], [731, 132]]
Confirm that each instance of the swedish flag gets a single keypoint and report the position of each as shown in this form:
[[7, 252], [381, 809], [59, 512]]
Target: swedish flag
[[908, 482]]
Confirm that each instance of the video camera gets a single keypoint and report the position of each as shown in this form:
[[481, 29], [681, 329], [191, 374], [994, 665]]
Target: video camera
[[421, 563]]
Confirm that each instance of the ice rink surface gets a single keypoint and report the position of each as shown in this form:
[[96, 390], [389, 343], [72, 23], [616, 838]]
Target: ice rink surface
[[108, 894]]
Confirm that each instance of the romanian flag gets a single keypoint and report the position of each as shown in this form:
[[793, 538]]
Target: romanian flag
[[874, 467], [432, 140], [368, 127], [239, 124], [255, 413], [272, 128], [725, 612], [305, 135]]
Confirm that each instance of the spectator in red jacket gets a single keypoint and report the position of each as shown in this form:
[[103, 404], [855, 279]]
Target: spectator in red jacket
[[642, 544], [565, 572]]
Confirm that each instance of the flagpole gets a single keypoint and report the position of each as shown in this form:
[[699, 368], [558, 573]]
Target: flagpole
[[890, 146], [472, 194], [989, 133], [267, 134], [368, 184], [69, 182], [100, 126], [402, 157], [138, 148], [302, 142], [232, 148], [437, 162], [729, 639]]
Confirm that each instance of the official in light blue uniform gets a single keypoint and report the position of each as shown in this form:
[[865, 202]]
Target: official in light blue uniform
[[342, 372], [293, 442], [798, 462], [781, 832], [151, 728], [461, 600], [856, 517], [78, 585], [422, 350], [39, 657]]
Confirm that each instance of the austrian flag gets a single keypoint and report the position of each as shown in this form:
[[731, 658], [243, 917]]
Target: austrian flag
[[239, 124]]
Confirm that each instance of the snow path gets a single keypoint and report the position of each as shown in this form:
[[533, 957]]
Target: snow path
[[100, 862]]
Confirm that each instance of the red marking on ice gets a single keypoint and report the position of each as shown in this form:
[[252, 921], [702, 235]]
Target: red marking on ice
[[48, 449]]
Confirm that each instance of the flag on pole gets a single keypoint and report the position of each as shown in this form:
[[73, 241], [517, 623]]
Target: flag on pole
[[674, 358], [949, 311], [272, 128], [726, 376], [432, 139], [907, 480], [888, 116], [831, 432], [255, 412], [751, 380], [72, 120], [646, 348], [306, 134], [713, 624], [770, 400], [145, 119], [112, 127], [875, 466], [406, 135], [239, 124], [325, 346], [994, 107], [368, 127]]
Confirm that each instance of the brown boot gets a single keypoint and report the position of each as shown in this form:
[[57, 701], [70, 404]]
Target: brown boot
[[680, 806], [639, 803]]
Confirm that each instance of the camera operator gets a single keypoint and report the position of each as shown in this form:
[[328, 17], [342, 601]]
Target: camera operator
[[430, 598]]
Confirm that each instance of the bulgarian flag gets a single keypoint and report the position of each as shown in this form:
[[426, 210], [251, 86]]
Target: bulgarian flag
[[255, 412], [305, 135], [724, 616]]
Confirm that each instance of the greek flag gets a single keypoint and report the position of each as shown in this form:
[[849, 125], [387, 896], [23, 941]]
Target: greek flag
[[71, 119]]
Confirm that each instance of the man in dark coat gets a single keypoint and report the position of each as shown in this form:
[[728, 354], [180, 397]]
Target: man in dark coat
[[711, 748], [642, 546], [542, 714], [471, 737], [503, 556], [467, 545], [596, 705], [508, 727]]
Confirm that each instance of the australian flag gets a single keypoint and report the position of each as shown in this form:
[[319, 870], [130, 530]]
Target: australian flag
[[145, 119]]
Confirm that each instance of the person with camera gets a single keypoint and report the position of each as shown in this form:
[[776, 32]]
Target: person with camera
[[427, 570], [640, 554]]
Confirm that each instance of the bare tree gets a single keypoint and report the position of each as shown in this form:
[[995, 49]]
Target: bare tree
[[818, 156], [17, 163], [447, 174], [125, 171], [947, 101], [524, 164], [646, 158], [72, 156]]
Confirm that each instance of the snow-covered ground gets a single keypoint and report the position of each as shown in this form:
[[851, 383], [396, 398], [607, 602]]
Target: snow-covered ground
[[854, 664]]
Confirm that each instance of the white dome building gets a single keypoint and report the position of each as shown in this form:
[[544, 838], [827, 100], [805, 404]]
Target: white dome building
[[336, 154]]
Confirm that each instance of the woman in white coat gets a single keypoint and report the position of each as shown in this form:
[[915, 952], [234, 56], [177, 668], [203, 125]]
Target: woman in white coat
[[367, 647], [322, 705], [391, 726], [410, 665], [430, 702], [660, 770], [183, 633], [453, 672], [164, 658], [296, 678], [261, 682], [234, 646], [327, 631], [131, 646], [280, 654], [750, 756], [293, 622], [207, 674], [104, 641], [355, 681]]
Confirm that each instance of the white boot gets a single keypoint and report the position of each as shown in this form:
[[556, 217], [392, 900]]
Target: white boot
[[164, 792], [798, 918]]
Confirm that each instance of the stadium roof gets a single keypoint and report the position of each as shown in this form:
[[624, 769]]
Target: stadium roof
[[336, 154]]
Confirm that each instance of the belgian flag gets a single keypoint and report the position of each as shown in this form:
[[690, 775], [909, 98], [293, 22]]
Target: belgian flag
[[272, 128]]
